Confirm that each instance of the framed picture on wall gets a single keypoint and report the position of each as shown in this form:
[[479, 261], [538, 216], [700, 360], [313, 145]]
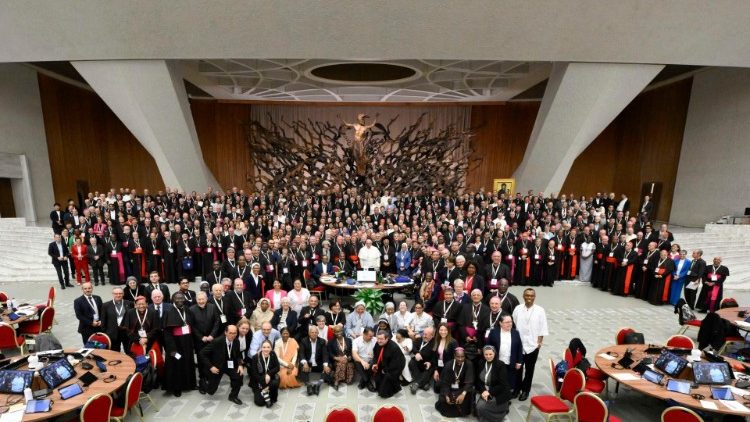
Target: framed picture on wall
[[507, 186]]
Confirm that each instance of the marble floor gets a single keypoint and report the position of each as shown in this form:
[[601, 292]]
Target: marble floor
[[573, 310]]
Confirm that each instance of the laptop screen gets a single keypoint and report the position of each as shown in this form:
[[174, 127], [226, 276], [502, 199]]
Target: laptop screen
[[14, 382], [712, 373], [57, 373]]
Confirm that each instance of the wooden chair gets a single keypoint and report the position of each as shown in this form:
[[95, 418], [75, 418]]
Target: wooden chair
[[621, 333], [9, 339], [590, 408], [683, 342], [343, 414], [679, 414], [388, 414], [96, 409], [693, 323], [132, 396], [40, 325], [101, 338], [555, 406]]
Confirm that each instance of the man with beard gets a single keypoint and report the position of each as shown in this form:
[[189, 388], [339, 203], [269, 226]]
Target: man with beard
[[388, 363]]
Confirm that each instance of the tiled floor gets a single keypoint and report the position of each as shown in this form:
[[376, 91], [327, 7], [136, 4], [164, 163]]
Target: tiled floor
[[573, 310]]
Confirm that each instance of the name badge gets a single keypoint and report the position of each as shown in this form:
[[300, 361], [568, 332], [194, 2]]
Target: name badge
[[551, 257], [486, 334], [443, 320], [155, 253], [286, 270], [537, 256], [119, 320], [185, 330], [177, 356], [242, 311], [385, 258], [141, 333], [645, 262], [474, 323], [714, 277], [295, 262], [113, 254], [187, 249], [170, 250], [230, 364], [688, 273], [304, 263], [493, 283], [611, 254], [223, 318], [440, 363], [454, 386], [572, 247], [561, 247], [624, 261], [209, 250], [269, 268]]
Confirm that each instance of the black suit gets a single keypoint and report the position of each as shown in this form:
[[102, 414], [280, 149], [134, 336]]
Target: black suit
[[290, 322], [235, 302], [96, 260], [116, 331], [217, 354], [696, 271], [304, 323], [205, 323], [164, 290], [87, 316], [305, 356], [61, 267], [420, 372], [57, 221]]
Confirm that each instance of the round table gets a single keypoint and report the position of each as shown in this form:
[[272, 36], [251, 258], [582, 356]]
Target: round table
[[332, 282], [731, 315], [6, 319], [60, 407], [654, 390]]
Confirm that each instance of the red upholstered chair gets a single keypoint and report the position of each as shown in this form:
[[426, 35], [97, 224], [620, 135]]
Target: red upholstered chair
[[132, 395], [3, 297], [97, 409], [621, 333], [9, 339], [318, 290], [101, 338], [683, 342], [553, 375], [388, 414], [679, 414], [40, 325], [51, 297], [728, 302], [343, 414], [694, 323], [555, 406], [153, 356], [590, 408]]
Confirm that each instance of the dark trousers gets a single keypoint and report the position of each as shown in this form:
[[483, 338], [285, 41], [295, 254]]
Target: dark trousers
[[212, 381], [364, 375], [529, 362], [419, 374], [98, 273], [273, 392], [86, 333], [305, 376], [702, 297], [120, 340], [690, 295], [62, 272]]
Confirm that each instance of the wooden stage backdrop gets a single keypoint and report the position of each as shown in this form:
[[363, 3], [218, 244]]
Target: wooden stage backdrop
[[87, 142]]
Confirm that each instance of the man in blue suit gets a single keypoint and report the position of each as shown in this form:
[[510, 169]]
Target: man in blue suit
[[58, 251], [88, 309], [321, 268]]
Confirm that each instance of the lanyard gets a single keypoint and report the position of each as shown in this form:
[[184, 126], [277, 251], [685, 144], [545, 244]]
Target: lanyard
[[141, 321], [487, 373], [182, 316], [457, 374], [492, 323], [229, 350], [220, 305], [334, 317], [119, 311], [241, 297], [266, 361], [445, 310], [475, 311]]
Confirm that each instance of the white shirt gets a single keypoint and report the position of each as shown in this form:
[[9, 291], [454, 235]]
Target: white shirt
[[504, 352], [531, 323], [364, 349], [418, 324], [369, 257], [277, 300], [621, 205], [59, 248], [298, 300], [401, 321]]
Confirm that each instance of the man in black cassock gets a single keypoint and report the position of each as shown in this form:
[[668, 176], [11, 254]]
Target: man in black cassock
[[388, 363], [659, 292], [456, 387], [647, 261], [179, 367]]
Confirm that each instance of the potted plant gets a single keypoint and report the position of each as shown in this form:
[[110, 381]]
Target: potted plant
[[372, 298]]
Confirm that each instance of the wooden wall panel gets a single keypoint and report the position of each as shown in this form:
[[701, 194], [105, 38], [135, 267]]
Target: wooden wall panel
[[593, 171], [7, 204], [502, 136], [87, 142], [223, 140]]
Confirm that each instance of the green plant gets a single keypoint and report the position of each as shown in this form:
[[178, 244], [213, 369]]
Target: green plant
[[373, 300]]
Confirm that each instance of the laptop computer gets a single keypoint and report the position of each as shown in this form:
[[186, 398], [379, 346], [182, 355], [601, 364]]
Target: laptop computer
[[14, 382]]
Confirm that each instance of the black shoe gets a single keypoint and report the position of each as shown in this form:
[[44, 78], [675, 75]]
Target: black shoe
[[269, 404], [316, 389], [361, 385], [178, 393], [310, 390], [515, 394], [523, 396], [413, 388], [335, 386], [68, 285], [372, 388], [426, 387], [62, 286], [235, 400]]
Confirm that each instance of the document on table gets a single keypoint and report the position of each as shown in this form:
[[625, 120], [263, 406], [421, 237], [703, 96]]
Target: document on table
[[707, 404], [625, 376], [734, 406], [606, 356]]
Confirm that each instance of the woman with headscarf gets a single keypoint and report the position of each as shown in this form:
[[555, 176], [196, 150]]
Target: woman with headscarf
[[492, 389], [456, 387], [263, 313], [340, 353], [264, 375], [286, 352]]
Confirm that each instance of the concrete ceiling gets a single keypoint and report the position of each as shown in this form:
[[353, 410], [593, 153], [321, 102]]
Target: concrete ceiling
[[429, 80], [690, 32]]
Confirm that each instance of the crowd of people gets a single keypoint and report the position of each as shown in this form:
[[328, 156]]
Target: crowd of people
[[257, 257]]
